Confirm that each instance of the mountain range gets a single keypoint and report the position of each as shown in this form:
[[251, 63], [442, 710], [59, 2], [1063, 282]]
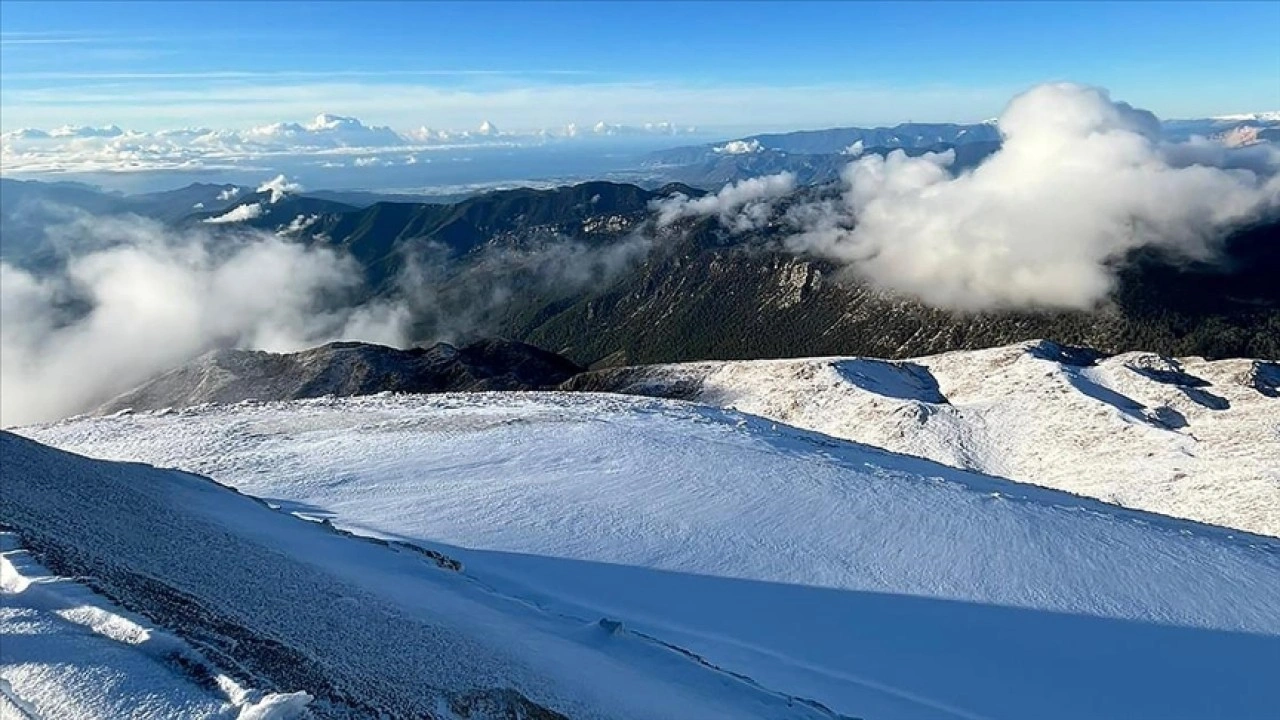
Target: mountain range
[[579, 270], [748, 483]]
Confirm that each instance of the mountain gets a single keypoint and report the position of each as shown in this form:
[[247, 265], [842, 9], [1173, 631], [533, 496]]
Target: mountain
[[704, 298], [633, 557], [382, 236], [581, 271], [1265, 124], [28, 208], [717, 167], [269, 210], [817, 156], [834, 141], [344, 369], [1182, 437]]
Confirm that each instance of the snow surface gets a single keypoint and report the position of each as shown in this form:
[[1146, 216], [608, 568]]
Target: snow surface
[[66, 652], [880, 585], [368, 629], [1183, 437]]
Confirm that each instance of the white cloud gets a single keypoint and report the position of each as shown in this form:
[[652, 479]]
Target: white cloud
[[279, 186], [1080, 180], [742, 206], [156, 299], [239, 213], [739, 147]]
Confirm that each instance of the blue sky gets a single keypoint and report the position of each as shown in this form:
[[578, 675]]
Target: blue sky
[[525, 65]]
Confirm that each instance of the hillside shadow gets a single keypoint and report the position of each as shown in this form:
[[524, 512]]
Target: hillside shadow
[[901, 380], [857, 456], [885, 655], [1191, 385]]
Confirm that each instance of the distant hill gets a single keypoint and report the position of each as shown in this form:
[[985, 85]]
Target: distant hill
[[817, 156], [712, 170], [29, 207], [560, 269], [346, 369], [834, 141], [580, 271]]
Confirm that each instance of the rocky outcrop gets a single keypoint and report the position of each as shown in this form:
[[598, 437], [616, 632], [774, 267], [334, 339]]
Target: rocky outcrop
[[348, 368]]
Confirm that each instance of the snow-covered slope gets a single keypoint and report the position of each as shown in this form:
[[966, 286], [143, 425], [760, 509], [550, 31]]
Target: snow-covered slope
[[879, 585], [69, 653], [1184, 437], [367, 629]]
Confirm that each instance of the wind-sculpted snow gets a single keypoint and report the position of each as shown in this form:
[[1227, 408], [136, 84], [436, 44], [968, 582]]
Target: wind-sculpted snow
[[880, 585], [1184, 437], [368, 629]]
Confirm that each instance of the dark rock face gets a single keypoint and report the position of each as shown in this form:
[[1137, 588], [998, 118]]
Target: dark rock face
[[348, 368]]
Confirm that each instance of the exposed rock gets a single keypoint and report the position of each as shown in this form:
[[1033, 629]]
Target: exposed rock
[[347, 368]]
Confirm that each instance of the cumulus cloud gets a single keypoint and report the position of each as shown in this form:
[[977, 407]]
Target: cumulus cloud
[[279, 186], [240, 213], [739, 147], [1079, 181], [145, 299], [741, 206]]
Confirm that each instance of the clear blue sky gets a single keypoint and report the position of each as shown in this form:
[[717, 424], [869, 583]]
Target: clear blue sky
[[539, 64]]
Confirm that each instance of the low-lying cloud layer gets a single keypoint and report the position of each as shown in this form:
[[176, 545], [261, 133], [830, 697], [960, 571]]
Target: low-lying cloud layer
[[112, 149], [140, 299], [1079, 181]]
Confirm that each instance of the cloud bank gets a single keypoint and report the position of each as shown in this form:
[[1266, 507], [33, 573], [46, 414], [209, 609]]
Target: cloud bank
[[140, 299], [1079, 181], [112, 149]]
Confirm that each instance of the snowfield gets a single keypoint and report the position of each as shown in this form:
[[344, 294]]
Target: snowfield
[[365, 629], [873, 584], [1183, 437]]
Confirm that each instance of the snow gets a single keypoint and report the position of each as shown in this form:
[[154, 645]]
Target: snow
[[367, 629], [1263, 117], [69, 653], [1186, 437], [879, 585]]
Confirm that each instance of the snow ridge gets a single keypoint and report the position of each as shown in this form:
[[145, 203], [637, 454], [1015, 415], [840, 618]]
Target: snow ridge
[[1186, 437]]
